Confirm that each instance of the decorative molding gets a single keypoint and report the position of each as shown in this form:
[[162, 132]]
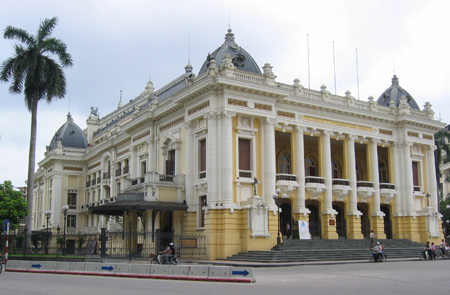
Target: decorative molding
[[172, 123], [413, 134], [198, 108], [263, 107], [122, 152], [94, 166], [386, 132], [50, 170], [286, 114], [236, 102], [336, 123], [426, 136], [142, 135], [72, 168]]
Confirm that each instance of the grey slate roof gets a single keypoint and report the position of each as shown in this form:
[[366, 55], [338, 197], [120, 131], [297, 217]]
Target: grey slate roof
[[70, 135], [241, 59], [394, 93]]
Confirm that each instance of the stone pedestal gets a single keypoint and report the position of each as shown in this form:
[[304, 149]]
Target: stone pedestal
[[354, 228], [329, 227]]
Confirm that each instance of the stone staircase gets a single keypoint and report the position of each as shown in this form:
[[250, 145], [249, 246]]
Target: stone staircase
[[330, 250]]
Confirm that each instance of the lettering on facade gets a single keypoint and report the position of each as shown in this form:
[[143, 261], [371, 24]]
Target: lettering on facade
[[172, 123], [236, 102], [141, 135], [93, 166], [336, 123], [413, 134], [73, 168], [188, 243], [429, 137], [286, 114], [199, 108], [386, 132], [263, 107]]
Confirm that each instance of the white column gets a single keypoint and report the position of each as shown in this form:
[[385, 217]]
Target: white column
[[375, 177], [270, 168], [300, 167], [211, 159], [351, 162], [431, 176], [327, 173], [151, 151], [134, 162], [408, 186], [397, 179], [190, 166], [227, 158]]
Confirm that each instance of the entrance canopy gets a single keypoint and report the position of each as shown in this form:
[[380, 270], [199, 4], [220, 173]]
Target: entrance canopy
[[135, 201]]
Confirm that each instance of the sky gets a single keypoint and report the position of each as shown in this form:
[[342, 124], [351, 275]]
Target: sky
[[122, 44]]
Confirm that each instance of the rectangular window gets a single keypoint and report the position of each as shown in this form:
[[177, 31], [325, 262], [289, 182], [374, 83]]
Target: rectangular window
[[71, 221], [203, 155], [72, 200], [170, 163], [202, 212], [415, 169], [244, 158]]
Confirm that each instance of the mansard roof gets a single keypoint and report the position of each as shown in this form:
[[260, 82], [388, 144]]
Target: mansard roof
[[70, 136], [242, 60], [394, 93]]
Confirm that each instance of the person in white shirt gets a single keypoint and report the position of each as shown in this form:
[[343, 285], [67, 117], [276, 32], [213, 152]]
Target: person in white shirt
[[372, 239]]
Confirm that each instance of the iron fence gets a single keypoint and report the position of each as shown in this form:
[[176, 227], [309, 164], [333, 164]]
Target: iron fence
[[107, 244]]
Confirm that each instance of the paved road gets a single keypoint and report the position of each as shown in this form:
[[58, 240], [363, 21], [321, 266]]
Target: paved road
[[409, 277]]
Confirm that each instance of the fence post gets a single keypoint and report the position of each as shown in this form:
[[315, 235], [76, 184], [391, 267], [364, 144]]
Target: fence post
[[158, 240], [103, 242]]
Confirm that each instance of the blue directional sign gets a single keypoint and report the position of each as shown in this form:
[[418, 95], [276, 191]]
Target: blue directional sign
[[240, 273], [36, 266], [110, 268], [4, 223]]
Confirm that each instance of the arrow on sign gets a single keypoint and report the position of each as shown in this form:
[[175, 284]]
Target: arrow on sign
[[36, 265], [240, 273], [110, 268]]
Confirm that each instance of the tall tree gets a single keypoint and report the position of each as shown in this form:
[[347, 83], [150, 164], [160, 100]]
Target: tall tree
[[12, 206], [33, 71], [442, 153]]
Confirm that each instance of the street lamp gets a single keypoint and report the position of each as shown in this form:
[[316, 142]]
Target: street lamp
[[47, 215], [65, 208], [277, 200]]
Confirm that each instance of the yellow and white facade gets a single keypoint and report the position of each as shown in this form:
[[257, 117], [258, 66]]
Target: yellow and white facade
[[206, 153]]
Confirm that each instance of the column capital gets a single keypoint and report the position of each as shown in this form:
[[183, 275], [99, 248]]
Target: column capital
[[270, 121], [407, 143], [352, 137], [431, 148], [300, 129], [210, 115], [327, 133], [374, 141], [189, 124], [227, 114]]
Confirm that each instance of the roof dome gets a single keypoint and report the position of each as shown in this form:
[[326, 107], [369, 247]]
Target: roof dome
[[241, 59], [70, 135], [394, 93]]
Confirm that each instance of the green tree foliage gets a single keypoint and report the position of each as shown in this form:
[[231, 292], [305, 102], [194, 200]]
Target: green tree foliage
[[12, 206], [442, 152], [33, 72], [445, 215]]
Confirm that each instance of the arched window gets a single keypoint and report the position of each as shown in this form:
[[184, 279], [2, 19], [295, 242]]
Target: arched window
[[336, 170], [310, 167], [382, 171], [285, 164]]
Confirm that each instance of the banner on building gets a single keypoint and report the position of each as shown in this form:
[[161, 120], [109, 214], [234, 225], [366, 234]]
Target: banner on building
[[303, 230]]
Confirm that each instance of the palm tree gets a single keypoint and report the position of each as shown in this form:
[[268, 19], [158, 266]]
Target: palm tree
[[32, 70]]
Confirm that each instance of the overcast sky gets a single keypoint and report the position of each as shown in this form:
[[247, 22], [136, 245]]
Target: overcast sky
[[121, 44]]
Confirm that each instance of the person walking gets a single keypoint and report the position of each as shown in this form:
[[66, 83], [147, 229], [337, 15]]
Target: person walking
[[372, 239], [288, 231]]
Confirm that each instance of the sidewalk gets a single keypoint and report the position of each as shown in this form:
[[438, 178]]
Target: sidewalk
[[190, 261]]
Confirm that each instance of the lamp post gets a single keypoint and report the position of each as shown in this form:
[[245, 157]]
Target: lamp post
[[47, 215], [65, 208], [428, 199], [277, 199]]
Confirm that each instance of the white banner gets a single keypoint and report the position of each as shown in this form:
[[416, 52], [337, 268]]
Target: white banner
[[303, 230]]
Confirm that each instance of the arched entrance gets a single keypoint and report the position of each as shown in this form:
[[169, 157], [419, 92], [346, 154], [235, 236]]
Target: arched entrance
[[365, 219], [341, 227], [166, 222], [314, 220], [285, 218], [387, 221]]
